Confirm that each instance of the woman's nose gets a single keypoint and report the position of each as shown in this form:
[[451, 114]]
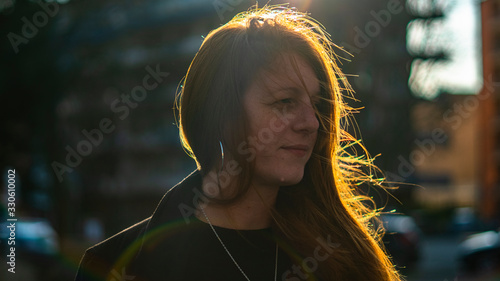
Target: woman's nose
[[306, 120]]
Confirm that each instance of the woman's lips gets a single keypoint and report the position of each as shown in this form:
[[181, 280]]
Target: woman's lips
[[298, 150]]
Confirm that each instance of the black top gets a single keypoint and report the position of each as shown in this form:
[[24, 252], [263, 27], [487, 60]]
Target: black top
[[253, 250], [173, 244]]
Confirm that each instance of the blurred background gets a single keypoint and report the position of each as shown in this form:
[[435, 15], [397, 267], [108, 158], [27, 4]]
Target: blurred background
[[94, 148]]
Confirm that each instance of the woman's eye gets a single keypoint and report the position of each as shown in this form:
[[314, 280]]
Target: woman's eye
[[285, 101]]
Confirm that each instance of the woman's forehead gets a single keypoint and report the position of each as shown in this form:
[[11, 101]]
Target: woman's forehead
[[289, 71]]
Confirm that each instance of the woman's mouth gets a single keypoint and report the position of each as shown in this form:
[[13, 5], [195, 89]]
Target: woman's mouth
[[299, 150]]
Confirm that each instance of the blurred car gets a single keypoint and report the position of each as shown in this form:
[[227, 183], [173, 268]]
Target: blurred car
[[464, 221], [402, 239], [480, 253], [36, 241]]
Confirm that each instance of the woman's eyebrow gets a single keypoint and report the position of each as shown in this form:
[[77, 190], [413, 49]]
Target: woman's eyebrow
[[295, 91], [290, 89]]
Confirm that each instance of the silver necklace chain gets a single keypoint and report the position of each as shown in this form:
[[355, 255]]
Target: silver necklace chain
[[231, 256]]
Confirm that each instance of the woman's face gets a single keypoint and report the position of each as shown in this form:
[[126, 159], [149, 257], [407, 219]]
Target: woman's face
[[282, 121]]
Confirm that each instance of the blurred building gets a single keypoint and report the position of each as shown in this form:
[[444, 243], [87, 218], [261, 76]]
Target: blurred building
[[122, 63], [445, 157], [445, 153], [489, 124], [377, 64]]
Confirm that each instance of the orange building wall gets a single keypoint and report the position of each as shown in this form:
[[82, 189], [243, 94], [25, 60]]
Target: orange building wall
[[489, 125]]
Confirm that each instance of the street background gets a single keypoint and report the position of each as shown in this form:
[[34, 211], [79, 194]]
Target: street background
[[89, 161]]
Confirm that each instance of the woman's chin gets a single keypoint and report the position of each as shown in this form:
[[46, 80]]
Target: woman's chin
[[291, 179]]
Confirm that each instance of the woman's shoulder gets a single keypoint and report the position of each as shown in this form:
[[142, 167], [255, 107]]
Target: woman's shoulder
[[140, 242], [121, 239], [99, 260]]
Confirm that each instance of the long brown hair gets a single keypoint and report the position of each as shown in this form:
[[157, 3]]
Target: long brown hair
[[325, 206]]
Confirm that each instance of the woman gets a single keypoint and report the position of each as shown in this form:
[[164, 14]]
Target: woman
[[274, 195]]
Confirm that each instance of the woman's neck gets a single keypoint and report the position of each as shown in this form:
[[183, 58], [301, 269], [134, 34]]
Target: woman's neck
[[252, 211]]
